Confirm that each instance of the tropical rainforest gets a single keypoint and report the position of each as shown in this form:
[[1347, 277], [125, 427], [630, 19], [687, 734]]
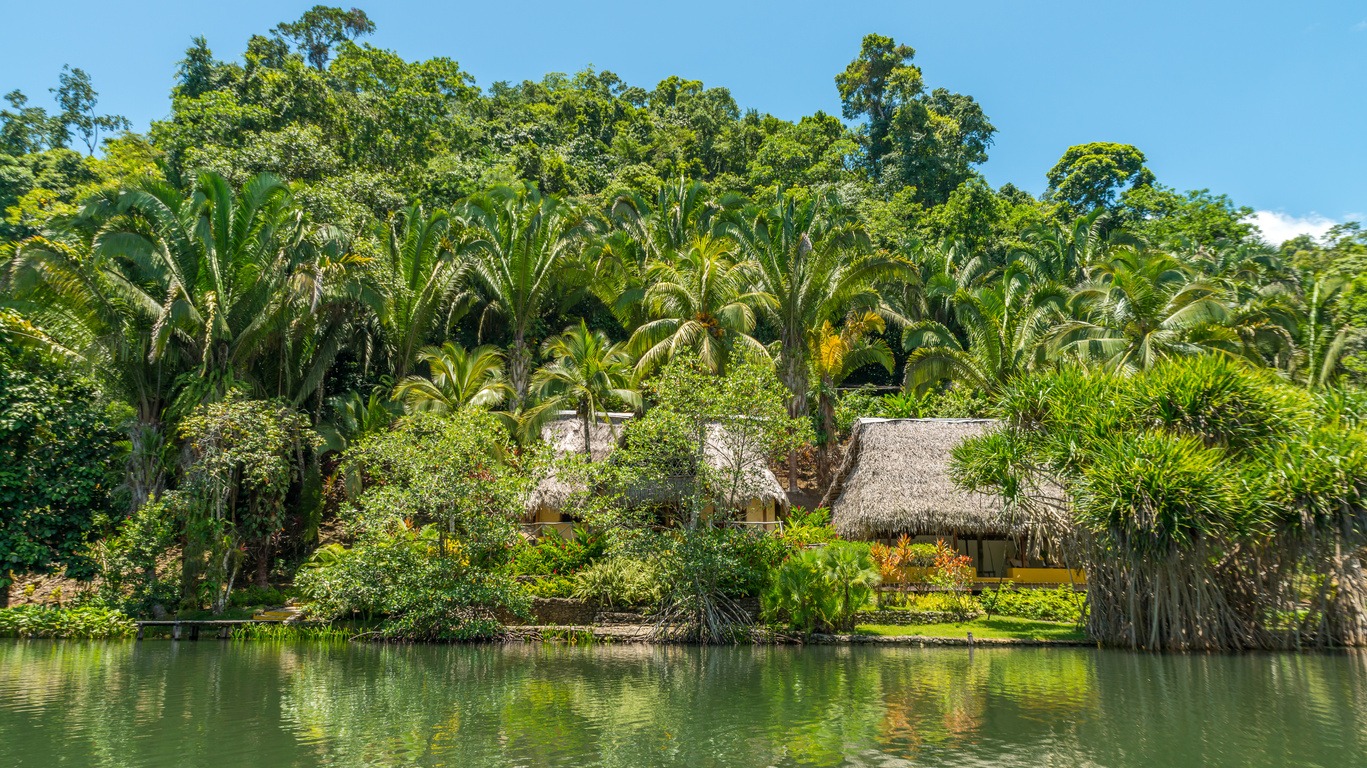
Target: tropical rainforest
[[329, 264]]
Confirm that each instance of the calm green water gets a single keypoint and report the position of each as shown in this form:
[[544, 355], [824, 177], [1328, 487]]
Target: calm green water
[[264, 704]]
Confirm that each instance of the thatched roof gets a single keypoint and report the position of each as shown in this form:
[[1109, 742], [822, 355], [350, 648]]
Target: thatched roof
[[741, 470], [565, 435], [726, 457], [895, 479]]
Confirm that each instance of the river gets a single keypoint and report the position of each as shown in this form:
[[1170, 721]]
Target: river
[[267, 704]]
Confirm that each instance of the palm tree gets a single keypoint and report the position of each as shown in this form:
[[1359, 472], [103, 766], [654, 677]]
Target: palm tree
[[1325, 339], [521, 246], [1003, 325], [701, 304], [808, 262], [417, 288], [835, 355], [1061, 253], [98, 312], [645, 232], [456, 378], [588, 374], [232, 285], [1140, 307], [227, 265], [352, 417]]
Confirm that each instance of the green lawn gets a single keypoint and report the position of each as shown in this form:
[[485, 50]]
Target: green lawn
[[995, 627]]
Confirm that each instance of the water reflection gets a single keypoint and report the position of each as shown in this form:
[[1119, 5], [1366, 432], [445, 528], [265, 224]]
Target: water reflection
[[264, 704]]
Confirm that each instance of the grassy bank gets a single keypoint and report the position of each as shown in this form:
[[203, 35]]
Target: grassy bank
[[996, 627]]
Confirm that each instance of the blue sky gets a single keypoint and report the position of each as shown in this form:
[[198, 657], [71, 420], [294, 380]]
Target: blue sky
[[1264, 101]]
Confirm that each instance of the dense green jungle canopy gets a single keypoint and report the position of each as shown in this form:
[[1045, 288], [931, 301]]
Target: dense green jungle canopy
[[350, 235]]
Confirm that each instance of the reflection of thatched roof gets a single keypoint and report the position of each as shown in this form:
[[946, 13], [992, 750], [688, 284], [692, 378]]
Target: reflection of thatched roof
[[726, 457], [895, 480], [565, 435]]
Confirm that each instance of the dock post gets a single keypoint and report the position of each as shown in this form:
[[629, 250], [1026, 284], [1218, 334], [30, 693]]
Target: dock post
[[224, 632], [139, 631], [175, 631], [194, 631]]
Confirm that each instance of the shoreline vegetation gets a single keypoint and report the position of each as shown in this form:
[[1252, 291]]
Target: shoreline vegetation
[[349, 336]]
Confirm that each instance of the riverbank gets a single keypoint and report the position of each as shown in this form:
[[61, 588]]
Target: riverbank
[[936, 635]]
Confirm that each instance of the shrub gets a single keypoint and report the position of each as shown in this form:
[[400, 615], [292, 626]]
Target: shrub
[[76, 623], [556, 556], [551, 586], [805, 528], [702, 571], [254, 595], [822, 589], [130, 562], [904, 561], [434, 526], [961, 606], [1061, 604], [424, 587], [618, 581], [953, 573]]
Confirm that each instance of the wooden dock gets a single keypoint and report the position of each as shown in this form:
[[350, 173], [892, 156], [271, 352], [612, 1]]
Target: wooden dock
[[183, 629]]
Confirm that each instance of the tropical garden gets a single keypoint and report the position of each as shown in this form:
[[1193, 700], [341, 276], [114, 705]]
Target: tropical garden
[[307, 330]]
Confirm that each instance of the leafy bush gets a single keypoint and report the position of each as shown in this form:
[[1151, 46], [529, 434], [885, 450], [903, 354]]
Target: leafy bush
[[434, 529], [131, 578], [551, 586], [804, 528], [254, 595], [57, 465], [822, 589], [78, 623], [904, 561], [1061, 604], [422, 586], [556, 556], [702, 571], [618, 581], [961, 606]]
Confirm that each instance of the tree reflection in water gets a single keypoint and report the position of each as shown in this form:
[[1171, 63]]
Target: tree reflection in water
[[276, 704]]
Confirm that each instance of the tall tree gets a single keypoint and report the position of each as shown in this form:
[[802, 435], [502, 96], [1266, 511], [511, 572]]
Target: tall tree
[[588, 373], [77, 98], [521, 246], [807, 261], [701, 304], [322, 28], [925, 141], [1096, 175]]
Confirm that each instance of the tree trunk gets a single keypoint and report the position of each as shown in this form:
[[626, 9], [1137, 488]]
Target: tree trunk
[[795, 378], [588, 440], [827, 410], [519, 367], [4, 593], [143, 472], [263, 564]]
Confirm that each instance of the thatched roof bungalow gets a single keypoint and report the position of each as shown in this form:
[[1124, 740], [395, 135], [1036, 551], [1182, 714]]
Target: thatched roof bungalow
[[749, 485], [565, 435], [745, 481], [895, 480]]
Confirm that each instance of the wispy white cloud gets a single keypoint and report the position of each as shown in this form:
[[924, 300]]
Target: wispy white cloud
[[1361, 26], [1278, 227]]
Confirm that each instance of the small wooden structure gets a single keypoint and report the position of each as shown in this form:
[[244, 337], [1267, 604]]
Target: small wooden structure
[[895, 480], [545, 509], [179, 627]]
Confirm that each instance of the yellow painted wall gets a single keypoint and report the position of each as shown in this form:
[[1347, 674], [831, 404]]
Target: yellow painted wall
[[1046, 576]]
